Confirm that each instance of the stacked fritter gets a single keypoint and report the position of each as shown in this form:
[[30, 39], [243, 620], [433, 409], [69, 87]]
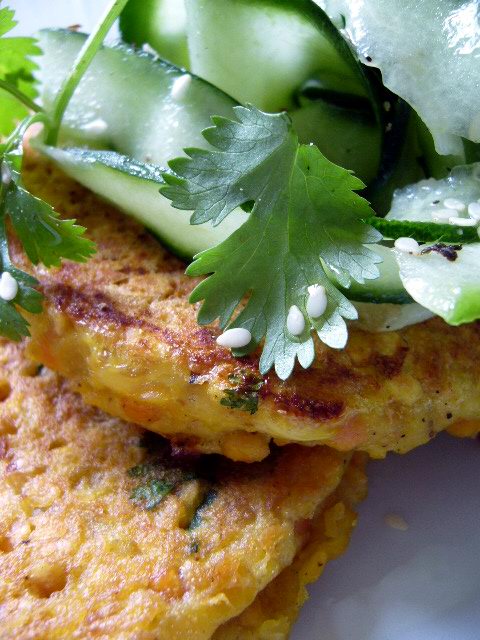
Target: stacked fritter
[[108, 530]]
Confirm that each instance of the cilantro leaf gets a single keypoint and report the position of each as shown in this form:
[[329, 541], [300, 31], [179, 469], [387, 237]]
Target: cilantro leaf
[[7, 21], [246, 393], [151, 494], [45, 237], [154, 481], [16, 69], [305, 214]]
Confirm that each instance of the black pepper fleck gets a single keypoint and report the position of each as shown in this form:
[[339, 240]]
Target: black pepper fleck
[[448, 251]]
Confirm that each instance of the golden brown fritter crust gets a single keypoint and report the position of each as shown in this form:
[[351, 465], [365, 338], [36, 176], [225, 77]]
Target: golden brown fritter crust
[[93, 546], [121, 328], [277, 606]]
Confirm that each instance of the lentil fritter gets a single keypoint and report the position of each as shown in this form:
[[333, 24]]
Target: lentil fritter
[[105, 531]]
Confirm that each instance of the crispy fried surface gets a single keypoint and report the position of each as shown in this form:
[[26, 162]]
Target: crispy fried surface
[[90, 548], [465, 429], [121, 328]]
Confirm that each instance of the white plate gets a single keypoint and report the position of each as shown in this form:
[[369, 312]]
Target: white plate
[[419, 584]]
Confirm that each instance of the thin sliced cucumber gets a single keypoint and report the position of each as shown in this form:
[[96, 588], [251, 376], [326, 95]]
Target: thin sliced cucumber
[[449, 289], [329, 104], [436, 165], [150, 124], [129, 102], [428, 54], [287, 55], [350, 139], [425, 200], [162, 24], [133, 188], [262, 51]]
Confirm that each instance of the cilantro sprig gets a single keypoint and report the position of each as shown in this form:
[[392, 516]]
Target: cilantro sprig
[[44, 236], [17, 88], [305, 214]]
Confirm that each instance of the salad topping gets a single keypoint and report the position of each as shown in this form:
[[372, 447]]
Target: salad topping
[[281, 228]]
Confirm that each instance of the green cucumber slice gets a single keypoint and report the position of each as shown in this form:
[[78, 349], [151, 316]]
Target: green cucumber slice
[[350, 139], [428, 54], [148, 125], [329, 117], [263, 51], [134, 188], [162, 24], [128, 101], [437, 166], [276, 55], [449, 289], [422, 201]]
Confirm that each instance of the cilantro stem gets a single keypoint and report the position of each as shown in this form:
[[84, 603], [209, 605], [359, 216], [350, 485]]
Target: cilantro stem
[[80, 66], [16, 136], [19, 95]]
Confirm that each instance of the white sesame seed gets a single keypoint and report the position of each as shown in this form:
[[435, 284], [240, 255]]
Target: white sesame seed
[[441, 214], [453, 203], [463, 222], [295, 321], [181, 86], [6, 174], [474, 210], [234, 338], [407, 245], [396, 521], [8, 287], [317, 301]]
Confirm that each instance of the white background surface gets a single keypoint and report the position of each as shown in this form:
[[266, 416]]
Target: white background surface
[[421, 584]]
